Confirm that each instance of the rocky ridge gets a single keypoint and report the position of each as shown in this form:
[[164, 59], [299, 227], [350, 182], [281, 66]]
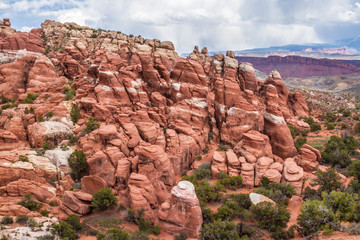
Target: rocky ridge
[[157, 112]]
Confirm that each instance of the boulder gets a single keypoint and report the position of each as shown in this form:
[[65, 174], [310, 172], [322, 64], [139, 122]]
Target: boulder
[[308, 157], [248, 174], [254, 145], [92, 183], [75, 204], [234, 164], [182, 213], [218, 164], [256, 198], [261, 166]]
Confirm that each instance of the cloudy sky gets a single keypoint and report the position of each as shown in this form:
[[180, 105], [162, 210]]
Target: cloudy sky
[[216, 24]]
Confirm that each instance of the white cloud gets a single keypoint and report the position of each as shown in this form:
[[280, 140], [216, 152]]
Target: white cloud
[[4, 6], [26, 29], [219, 25]]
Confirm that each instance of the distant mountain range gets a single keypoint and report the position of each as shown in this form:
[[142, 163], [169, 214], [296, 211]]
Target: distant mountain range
[[346, 49]]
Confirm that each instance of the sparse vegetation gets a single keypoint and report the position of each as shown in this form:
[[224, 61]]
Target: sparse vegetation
[[91, 125], [29, 203], [75, 113], [78, 164], [103, 199]]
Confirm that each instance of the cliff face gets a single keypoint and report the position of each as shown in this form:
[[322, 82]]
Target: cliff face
[[156, 111], [301, 67]]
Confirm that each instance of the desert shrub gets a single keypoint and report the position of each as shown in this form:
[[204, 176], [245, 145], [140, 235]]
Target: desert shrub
[[347, 113], [4, 99], [300, 141], [91, 125], [222, 148], [207, 214], [316, 216], [26, 111], [357, 128], [30, 98], [8, 105], [338, 150], [103, 199], [44, 213], [242, 200], [23, 158], [73, 139], [50, 114], [313, 125], [327, 180], [330, 126], [279, 192], [330, 117], [69, 93], [7, 220], [78, 164], [229, 182], [40, 118], [344, 126], [206, 192], [304, 132], [139, 235], [219, 230], [64, 230], [342, 204], [180, 236], [310, 194], [29, 203], [293, 131], [356, 117], [354, 169], [198, 158], [271, 217], [74, 221], [204, 171], [47, 145], [353, 229], [145, 225], [22, 219], [75, 113], [224, 213], [133, 217]]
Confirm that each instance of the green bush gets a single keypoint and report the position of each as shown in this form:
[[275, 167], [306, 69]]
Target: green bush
[[207, 193], [103, 199], [23, 158], [145, 225], [313, 125], [354, 169], [207, 214], [91, 125], [316, 216], [75, 113], [78, 164], [64, 230], [7, 220], [293, 131], [22, 219], [219, 230], [344, 126], [29, 203], [357, 128], [114, 234], [241, 199], [222, 148], [133, 217], [44, 213], [270, 216], [327, 180], [30, 98], [69, 93], [330, 117], [40, 118], [4, 99], [300, 141], [330, 126], [74, 221], [342, 204], [180, 236], [338, 150], [347, 113], [8, 105], [204, 171], [50, 114], [229, 182], [353, 229]]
